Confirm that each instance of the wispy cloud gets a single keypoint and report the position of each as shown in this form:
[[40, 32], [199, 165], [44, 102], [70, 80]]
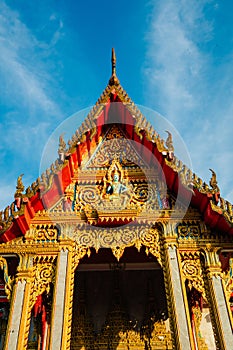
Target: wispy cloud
[[174, 59], [25, 77], [28, 98], [189, 89]]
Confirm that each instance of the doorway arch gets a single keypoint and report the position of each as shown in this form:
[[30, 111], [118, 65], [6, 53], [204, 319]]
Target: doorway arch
[[119, 304]]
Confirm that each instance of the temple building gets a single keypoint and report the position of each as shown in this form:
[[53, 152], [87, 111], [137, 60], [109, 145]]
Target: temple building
[[118, 245]]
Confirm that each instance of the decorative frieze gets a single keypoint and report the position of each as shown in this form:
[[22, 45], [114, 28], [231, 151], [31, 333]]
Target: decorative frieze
[[118, 239], [188, 231]]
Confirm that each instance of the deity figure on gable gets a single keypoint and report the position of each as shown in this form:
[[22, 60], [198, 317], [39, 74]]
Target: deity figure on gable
[[116, 188]]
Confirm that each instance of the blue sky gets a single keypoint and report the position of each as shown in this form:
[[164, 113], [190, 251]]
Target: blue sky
[[173, 56]]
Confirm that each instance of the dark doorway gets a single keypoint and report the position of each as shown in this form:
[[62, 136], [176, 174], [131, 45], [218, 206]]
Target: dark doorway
[[117, 304]]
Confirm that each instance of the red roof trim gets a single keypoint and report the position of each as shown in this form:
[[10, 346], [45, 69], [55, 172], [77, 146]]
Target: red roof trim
[[63, 178]]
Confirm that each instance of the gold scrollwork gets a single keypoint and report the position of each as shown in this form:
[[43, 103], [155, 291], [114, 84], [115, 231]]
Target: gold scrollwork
[[87, 195], [46, 234], [115, 145], [141, 192], [44, 274], [150, 238], [40, 233], [192, 271], [188, 231], [79, 253], [119, 238]]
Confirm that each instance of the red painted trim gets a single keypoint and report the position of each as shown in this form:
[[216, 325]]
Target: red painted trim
[[63, 178]]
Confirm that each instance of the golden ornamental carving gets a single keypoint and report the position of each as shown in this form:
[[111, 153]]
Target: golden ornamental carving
[[61, 148], [197, 317], [19, 187], [148, 197], [228, 286], [79, 252], [192, 271], [188, 231], [119, 238], [87, 195], [150, 239], [126, 337], [10, 212], [115, 197], [44, 274], [115, 146], [42, 233], [213, 182], [7, 279], [169, 143], [46, 234]]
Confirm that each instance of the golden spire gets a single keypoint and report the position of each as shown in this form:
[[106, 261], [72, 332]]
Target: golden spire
[[113, 62], [113, 80]]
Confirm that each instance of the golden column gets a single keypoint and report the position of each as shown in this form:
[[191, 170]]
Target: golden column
[[17, 329], [59, 299], [68, 258], [215, 293], [176, 296]]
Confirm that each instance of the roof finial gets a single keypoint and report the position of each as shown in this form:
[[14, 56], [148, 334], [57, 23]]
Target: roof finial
[[19, 187], [113, 62], [113, 80]]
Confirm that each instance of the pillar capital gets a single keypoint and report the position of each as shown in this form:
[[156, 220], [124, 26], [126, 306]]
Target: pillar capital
[[24, 275], [211, 259], [66, 231], [25, 261], [169, 229], [170, 242]]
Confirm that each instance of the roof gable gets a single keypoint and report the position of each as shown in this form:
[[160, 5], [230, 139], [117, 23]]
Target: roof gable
[[114, 107]]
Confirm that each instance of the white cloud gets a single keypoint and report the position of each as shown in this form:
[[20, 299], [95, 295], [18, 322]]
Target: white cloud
[[25, 76], [28, 98], [176, 60], [188, 89]]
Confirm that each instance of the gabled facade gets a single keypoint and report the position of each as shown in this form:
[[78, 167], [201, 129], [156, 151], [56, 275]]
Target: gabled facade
[[117, 246]]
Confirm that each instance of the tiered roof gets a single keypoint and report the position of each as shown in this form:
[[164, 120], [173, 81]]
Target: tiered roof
[[48, 189]]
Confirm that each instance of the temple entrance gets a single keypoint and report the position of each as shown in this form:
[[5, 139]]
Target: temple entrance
[[120, 305]]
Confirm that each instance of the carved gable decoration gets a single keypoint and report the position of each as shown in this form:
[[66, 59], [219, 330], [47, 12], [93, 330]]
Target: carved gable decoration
[[117, 194], [115, 145], [114, 183]]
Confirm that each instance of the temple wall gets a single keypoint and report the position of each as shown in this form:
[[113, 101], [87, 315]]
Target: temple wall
[[161, 292]]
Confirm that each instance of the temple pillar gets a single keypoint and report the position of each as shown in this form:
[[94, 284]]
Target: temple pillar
[[66, 334], [67, 261], [58, 311], [17, 329], [177, 302], [217, 299]]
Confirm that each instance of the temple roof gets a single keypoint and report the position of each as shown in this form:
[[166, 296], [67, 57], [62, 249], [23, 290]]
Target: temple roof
[[114, 107]]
